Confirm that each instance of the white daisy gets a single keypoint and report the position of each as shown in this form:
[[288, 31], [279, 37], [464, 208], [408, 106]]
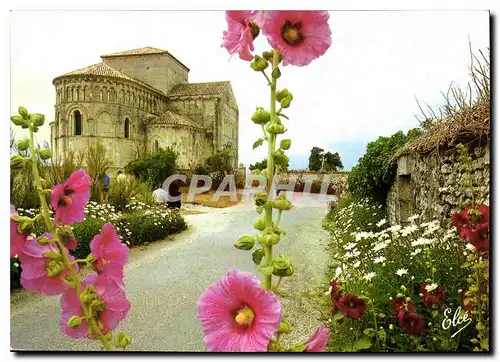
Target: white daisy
[[369, 276], [356, 264], [431, 287], [470, 247], [380, 246], [350, 246], [379, 259], [381, 222], [401, 271]]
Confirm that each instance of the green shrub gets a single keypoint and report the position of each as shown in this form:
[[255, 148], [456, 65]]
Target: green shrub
[[84, 233], [220, 161], [122, 193], [376, 170], [154, 168], [378, 263]]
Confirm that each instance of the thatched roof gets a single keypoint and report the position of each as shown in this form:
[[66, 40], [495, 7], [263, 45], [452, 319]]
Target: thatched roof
[[468, 125]]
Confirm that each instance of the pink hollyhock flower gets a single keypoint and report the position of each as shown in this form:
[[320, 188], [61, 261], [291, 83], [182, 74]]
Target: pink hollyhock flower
[[40, 273], [300, 36], [17, 239], [351, 306], [238, 315], [110, 253], [319, 340], [112, 306], [479, 236], [69, 198], [243, 28]]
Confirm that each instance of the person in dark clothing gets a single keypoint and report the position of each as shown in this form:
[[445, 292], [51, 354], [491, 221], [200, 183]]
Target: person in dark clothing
[[174, 191]]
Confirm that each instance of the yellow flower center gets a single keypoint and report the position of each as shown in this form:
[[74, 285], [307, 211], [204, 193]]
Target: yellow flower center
[[245, 317], [291, 33]]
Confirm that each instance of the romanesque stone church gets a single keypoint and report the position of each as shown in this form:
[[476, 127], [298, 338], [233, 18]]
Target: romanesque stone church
[[139, 100]]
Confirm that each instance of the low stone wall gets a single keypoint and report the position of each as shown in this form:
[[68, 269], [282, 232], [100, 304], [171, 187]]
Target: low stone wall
[[432, 185]]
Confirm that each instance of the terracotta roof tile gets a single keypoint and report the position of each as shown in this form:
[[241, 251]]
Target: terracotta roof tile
[[195, 89], [139, 51], [101, 69], [173, 118]]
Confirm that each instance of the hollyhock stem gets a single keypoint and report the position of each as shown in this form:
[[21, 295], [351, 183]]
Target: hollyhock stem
[[478, 281], [271, 142], [50, 228], [278, 219]]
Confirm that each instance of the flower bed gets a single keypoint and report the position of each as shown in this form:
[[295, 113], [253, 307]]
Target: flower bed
[[396, 288], [139, 224]]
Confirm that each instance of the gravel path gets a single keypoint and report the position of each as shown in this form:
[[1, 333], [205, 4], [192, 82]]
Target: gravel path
[[164, 280]]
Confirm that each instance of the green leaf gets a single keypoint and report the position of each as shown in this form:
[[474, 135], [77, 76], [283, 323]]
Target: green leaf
[[370, 332], [338, 316], [362, 343], [382, 335], [258, 143]]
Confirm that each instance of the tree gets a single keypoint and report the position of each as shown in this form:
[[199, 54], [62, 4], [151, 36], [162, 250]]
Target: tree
[[315, 159], [263, 164], [154, 168], [221, 161], [332, 162]]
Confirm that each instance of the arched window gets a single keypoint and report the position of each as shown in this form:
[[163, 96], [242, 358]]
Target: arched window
[[78, 123], [126, 128], [157, 146]]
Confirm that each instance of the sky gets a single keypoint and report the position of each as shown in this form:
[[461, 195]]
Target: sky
[[362, 88]]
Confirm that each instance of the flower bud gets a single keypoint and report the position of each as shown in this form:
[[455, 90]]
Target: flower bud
[[97, 305], [17, 162], [51, 254], [43, 240], [284, 327], [54, 268], [259, 64], [109, 336], [122, 340], [299, 347], [276, 73], [259, 224], [38, 119], [269, 55], [281, 203], [261, 199], [285, 102], [74, 322], [246, 242], [282, 266], [268, 238], [275, 128], [44, 154], [280, 158], [18, 120], [261, 116], [282, 94], [285, 144], [23, 112], [257, 256], [23, 145]]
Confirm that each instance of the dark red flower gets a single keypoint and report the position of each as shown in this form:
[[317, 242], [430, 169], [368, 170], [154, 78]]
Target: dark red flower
[[411, 322], [431, 297], [335, 292], [467, 302], [479, 236], [351, 306], [402, 305], [461, 220]]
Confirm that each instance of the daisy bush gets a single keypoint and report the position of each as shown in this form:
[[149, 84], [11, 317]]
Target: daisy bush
[[139, 223], [239, 313], [402, 288]]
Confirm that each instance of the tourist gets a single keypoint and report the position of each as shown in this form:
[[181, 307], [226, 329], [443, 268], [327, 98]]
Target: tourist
[[121, 176], [105, 180], [160, 195], [174, 191]]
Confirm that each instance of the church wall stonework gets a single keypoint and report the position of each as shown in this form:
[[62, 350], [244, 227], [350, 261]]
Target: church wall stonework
[[161, 71]]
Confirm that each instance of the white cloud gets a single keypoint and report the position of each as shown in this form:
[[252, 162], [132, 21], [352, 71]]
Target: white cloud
[[362, 88]]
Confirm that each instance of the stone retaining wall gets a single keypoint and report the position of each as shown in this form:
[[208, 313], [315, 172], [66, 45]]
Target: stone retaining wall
[[432, 185]]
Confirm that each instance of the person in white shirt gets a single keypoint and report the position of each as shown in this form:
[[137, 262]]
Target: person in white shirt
[[121, 176], [160, 195]]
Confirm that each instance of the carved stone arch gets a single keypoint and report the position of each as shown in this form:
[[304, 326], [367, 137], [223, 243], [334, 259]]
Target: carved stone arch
[[76, 116]]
